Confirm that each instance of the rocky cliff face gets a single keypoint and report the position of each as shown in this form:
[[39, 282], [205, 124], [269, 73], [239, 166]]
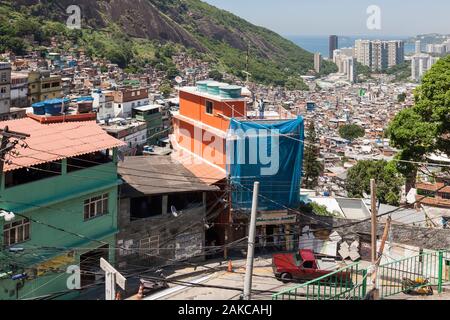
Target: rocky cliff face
[[178, 21], [220, 35], [137, 18]]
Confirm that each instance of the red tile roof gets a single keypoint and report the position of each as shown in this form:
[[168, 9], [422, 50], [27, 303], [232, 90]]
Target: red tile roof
[[52, 142]]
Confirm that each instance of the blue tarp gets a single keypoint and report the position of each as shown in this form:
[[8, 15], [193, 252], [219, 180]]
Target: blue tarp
[[270, 152]]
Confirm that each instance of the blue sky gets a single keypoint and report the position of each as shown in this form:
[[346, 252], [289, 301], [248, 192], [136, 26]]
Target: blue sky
[[342, 17]]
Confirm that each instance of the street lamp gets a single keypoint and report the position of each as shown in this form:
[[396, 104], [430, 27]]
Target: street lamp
[[8, 216]]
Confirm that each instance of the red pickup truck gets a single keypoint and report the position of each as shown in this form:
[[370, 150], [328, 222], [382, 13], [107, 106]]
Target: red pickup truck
[[301, 266]]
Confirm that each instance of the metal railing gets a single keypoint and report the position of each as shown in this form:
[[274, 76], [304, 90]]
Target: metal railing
[[348, 283], [395, 277], [411, 273]]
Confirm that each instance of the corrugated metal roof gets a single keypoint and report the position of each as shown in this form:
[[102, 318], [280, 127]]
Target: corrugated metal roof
[[52, 142], [147, 175], [204, 171]]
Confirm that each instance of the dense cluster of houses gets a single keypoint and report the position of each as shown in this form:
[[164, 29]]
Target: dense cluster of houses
[[113, 168]]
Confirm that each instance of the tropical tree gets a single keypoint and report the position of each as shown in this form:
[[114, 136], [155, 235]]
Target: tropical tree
[[388, 179], [351, 132], [165, 89], [215, 75], [401, 97], [311, 165], [425, 127]]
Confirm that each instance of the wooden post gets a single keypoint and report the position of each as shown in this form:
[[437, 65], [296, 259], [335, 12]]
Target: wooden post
[[3, 145], [373, 203], [228, 227], [375, 289], [4, 148]]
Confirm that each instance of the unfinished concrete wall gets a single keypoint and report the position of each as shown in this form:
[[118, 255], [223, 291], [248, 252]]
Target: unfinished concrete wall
[[177, 237], [425, 238]]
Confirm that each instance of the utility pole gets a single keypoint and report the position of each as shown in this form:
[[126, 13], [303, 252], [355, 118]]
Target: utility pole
[[228, 227], [373, 203], [375, 289], [6, 146], [113, 277], [3, 151], [251, 245]]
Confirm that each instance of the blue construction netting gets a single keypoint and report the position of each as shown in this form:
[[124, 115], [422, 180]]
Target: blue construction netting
[[270, 152]]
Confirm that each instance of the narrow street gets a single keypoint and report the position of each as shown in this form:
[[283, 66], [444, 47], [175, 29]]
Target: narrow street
[[222, 285]]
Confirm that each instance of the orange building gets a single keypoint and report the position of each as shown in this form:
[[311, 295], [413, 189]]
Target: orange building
[[200, 127], [200, 140]]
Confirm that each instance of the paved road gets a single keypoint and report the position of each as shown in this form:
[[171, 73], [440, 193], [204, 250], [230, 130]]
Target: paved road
[[263, 281], [223, 285]]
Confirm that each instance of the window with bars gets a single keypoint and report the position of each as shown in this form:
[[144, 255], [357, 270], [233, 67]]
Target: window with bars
[[149, 246], [96, 206], [16, 232]]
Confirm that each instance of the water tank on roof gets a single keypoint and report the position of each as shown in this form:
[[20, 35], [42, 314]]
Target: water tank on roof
[[84, 104], [230, 92], [38, 108], [202, 86], [54, 107], [85, 99], [214, 88]]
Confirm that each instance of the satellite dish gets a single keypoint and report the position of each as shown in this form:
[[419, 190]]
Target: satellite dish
[[178, 79], [174, 211], [8, 216]]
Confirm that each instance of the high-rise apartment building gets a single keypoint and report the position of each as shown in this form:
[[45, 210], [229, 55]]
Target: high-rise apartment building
[[346, 63], [396, 52], [380, 55], [420, 64], [418, 47], [5, 88], [333, 45], [363, 52], [440, 49], [317, 62], [351, 69]]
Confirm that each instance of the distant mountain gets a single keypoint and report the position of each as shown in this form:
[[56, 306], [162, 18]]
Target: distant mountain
[[431, 38], [214, 34]]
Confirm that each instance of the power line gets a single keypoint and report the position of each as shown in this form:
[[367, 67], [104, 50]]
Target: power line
[[131, 169]]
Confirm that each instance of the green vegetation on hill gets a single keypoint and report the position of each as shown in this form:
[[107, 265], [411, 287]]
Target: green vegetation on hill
[[351, 132], [193, 26], [401, 72], [364, 70]]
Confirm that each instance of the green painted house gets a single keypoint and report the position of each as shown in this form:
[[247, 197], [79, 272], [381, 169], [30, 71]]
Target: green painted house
[[62, 190], [152, 115]]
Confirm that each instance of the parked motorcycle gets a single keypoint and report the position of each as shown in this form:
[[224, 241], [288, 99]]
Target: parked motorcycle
[[419, 286]]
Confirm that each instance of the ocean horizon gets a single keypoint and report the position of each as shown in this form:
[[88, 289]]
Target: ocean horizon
[[320, 44]]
